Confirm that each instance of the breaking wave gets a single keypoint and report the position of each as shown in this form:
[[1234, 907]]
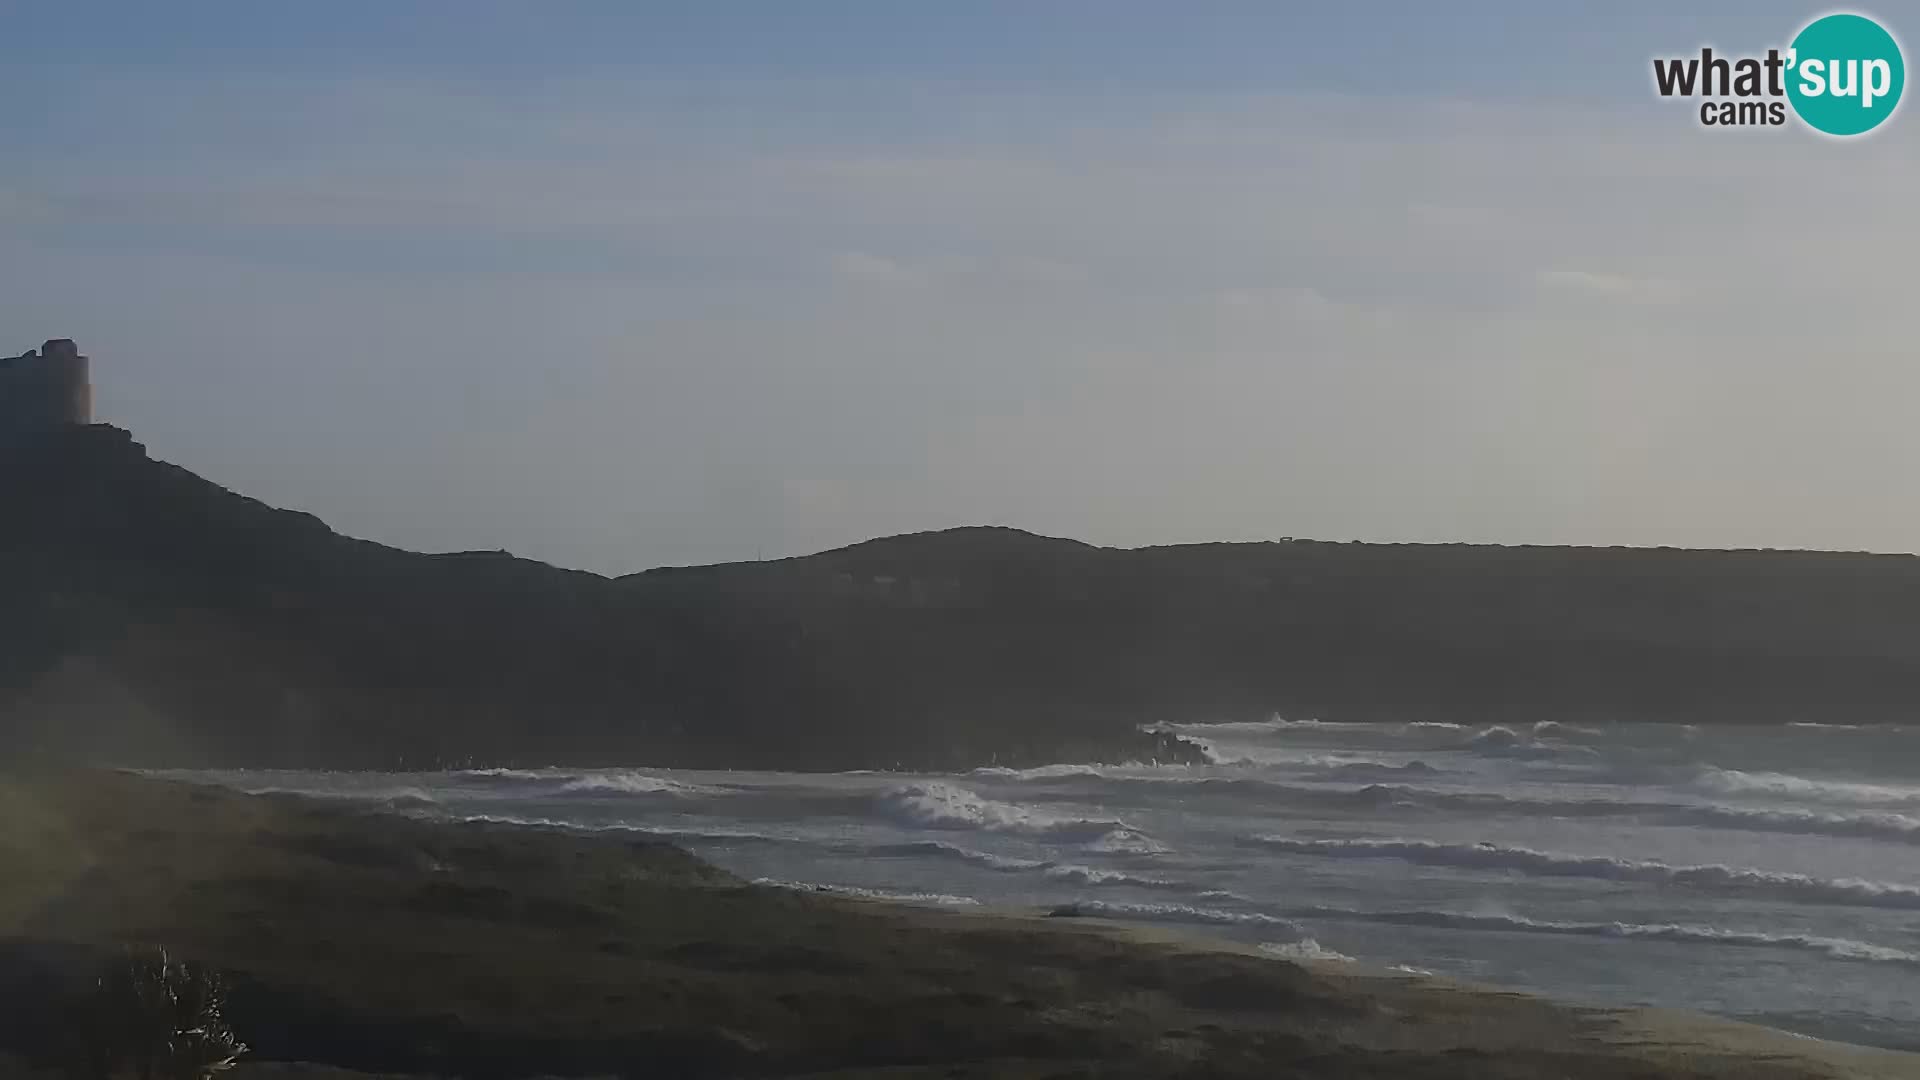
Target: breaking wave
[[1494, 737], [1304, 949], [1555, 729], [1375, 770], [1856, 892], [627, 782], [937, 805], [942, 899], [1128, 842], [1088, 875], [1345, 765], [1899, 828], [1176, 913], [1504, 742], [1735, 782], [1255, 727], [577, 782], [504, 774], [398, 798], [1434, 734], [694, 835], [1050, 772], [1837, 948]]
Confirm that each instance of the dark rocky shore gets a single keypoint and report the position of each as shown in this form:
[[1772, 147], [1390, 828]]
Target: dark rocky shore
[[384, 944]]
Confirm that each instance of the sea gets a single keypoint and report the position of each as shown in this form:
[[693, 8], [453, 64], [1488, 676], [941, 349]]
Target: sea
[[1769, 874]]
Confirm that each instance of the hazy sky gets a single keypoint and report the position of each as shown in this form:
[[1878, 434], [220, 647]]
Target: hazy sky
[[628, 284]]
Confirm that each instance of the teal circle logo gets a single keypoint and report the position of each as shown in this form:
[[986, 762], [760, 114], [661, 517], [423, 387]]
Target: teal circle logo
[[1845, 74]]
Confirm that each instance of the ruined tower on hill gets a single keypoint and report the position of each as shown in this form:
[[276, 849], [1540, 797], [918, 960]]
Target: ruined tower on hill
[[44, 391]]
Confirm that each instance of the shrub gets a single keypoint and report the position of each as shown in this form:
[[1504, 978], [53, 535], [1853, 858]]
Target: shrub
[[149, 1017]]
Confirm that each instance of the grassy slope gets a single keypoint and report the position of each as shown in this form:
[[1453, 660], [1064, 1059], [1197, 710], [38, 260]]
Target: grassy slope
[[391, 945]]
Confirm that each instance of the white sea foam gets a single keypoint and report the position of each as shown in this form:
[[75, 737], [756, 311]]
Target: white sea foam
[[1255, 727], [1495, 735], [1555, 729], [942, 899], [683, 834], [405, 797], [1250, 757], [1124, 841], [939, 805], [582, 782], [1857, 892], [1304, 949], [711, 835], [1088, 875], [1872, 825], [1503, 742], [631, 782], [1787, 785], [1178, 913], [533, 822], [1376, 770], [1067, 770]]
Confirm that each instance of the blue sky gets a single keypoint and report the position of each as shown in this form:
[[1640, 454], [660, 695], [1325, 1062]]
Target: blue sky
[[617, 285]]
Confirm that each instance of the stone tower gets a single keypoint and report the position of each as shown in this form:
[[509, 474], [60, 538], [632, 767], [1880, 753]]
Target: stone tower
[[44, 391]]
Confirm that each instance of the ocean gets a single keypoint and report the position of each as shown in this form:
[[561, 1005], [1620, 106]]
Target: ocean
[[1766, 874]]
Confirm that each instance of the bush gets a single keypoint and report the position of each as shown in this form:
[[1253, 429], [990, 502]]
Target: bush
[[149, 1017]]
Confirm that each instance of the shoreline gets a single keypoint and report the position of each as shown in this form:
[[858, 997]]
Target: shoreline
[[1496, 940], [388, 944], [1678, 1028]]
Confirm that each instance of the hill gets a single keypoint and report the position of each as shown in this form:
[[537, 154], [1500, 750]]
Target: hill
[[151, 616]]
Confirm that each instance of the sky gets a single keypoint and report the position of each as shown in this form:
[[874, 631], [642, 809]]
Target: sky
[[624, 285]]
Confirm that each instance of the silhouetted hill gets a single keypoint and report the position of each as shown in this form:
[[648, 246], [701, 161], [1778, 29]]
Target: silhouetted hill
[[152, 616]]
